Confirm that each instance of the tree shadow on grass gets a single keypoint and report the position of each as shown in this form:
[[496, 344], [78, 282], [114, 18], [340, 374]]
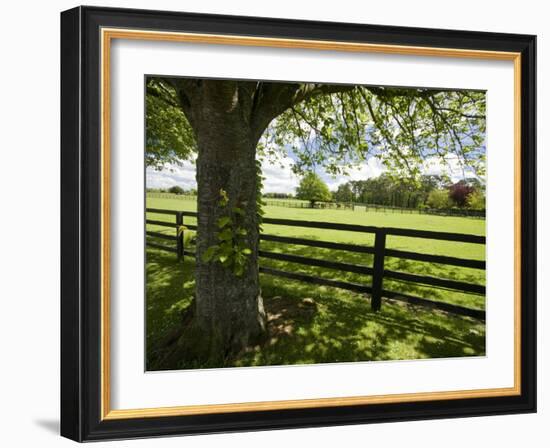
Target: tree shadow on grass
[[344, 329], [310, 324], [169, 289]]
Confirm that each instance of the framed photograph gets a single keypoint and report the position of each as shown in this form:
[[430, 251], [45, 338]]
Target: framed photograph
[[272, 223]]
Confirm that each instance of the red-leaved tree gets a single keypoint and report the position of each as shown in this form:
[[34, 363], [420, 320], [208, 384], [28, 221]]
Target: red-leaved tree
[[459, 193]]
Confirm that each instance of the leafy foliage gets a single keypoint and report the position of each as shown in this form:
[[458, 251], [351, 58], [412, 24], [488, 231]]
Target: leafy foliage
[[313, 189], [232, 250], [260, 203], [169, 137], [459, 193], [344, 193], [390, 190], [476, 200], [403, 127], [339, 126], [176, 189], [439, 199]]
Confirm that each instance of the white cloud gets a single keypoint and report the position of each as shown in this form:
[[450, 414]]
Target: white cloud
[[371, 168], [279, 177], [450, 166], [181, 175]]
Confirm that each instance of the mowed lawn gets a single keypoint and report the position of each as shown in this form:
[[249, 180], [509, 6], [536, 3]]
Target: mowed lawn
[[311, 324]]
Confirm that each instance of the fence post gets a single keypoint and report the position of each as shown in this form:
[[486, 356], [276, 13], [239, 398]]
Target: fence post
[[378, 269], [179, 234]]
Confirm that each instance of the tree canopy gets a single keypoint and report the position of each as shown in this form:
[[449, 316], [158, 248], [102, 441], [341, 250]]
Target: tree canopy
[[169, 138], [313, 189], [439, 199], [476, 200], [434, 191], [333, 126], [389, 190], [460, 192], [176, 189]]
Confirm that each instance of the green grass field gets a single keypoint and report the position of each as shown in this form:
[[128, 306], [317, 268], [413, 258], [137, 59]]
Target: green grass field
[[334, 325]]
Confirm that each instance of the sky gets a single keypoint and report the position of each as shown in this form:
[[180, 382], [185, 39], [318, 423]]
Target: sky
[[281, 179]]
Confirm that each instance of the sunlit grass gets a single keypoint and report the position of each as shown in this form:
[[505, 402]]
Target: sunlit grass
[[332, 325], [371, 218], [312, 324]]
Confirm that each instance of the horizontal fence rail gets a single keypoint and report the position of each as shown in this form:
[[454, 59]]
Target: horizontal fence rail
[[305, 204], [463, 212], [377, 271]]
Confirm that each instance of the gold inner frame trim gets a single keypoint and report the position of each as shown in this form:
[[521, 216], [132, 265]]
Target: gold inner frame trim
[[107, 35]]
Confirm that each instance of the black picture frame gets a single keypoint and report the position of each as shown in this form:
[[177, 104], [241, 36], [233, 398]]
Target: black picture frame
[[81, 224]]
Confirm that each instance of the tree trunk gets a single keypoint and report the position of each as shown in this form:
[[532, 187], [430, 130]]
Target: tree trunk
[[228, 312]]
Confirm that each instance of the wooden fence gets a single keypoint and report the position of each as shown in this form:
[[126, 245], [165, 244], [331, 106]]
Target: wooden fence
[[344, 206], [377, 271], [464, 212], [306, 204]]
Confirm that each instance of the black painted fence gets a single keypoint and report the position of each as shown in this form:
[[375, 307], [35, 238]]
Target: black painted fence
[[305, 204], [459, 212], [377, 271]]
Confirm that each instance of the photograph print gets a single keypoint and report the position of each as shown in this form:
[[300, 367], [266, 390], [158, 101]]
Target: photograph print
[[292, 223]]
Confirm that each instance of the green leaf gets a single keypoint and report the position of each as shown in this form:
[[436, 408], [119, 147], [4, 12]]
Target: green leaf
[[226, 248], [209, 254], [224, 199], [223, 221], [238, 211], [225, 234]]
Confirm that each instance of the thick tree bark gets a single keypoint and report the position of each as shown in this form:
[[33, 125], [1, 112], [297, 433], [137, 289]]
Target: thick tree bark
[[228, 312], [228, 118]]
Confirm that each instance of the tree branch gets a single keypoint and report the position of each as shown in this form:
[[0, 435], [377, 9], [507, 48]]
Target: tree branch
[[276, 98], [158, 90]]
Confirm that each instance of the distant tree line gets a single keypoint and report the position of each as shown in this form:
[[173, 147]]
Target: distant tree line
[[176, 189], [278, 195], [431, 191]]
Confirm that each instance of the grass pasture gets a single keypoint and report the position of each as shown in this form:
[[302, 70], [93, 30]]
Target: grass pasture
[[312, 324]]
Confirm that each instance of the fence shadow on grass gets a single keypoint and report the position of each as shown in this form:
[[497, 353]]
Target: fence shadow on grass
[[332, 326], [410, 266], [344, 329]]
